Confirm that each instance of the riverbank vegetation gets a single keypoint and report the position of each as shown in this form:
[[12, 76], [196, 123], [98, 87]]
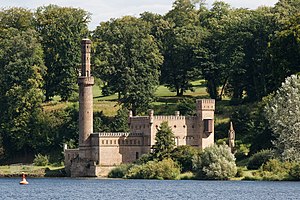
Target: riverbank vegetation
[[239, 57]]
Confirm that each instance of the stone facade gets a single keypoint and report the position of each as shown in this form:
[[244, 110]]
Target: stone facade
[[98, 150]]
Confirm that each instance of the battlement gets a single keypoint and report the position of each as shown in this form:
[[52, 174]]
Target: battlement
[[116, 134], [205, 104], [172, 117]]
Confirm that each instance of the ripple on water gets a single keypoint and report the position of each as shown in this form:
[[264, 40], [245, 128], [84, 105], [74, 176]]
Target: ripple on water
[[67, 188]]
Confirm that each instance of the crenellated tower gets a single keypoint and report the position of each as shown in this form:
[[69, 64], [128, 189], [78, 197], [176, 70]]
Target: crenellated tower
[[85, 82], [205, 113]]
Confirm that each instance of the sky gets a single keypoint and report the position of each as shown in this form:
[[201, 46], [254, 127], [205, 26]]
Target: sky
[[104, 10]]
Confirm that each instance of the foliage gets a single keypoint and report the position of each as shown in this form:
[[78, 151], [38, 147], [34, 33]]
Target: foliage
[[61, 47], [144, 159], [120, 171], [164, 142], [283, 113], [16, 17], [186, 106], [165, 169], [21, 69], [180, 41], [41, 160], [184, 155], [215, 162], [127, 60], [241, 149], [295, 171], [118, 123], [260, 158], [274, 170]]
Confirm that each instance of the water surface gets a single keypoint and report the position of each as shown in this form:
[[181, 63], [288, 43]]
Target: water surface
[[68, 188]]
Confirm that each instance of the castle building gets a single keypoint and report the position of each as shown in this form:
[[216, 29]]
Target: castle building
[[99, 150]]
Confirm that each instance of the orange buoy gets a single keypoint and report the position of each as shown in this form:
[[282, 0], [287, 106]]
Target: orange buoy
[[23, 182]]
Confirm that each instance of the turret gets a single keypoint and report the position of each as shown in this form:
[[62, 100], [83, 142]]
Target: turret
[[85, 82], [205, 113], [151, 116], [231, 137]]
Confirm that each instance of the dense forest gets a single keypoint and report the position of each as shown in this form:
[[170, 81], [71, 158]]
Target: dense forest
[[243, 55]]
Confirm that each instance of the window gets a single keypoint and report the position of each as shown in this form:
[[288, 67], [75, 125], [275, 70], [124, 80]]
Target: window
[[136, 155], [208, 125]]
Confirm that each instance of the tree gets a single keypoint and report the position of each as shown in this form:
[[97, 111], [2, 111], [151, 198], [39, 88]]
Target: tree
[[184, 155], [127, 60], [21, 69], [61, 30], [180, 41], [285, 43], [19, 18], [164, 142], [283, 113], [215, 162]]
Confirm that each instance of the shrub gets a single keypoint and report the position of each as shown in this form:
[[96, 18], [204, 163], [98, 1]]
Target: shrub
[[144, 159], [183, 155], [240, 172], [165, 169], [295, 171], [274, 170], [259, 158], [120, 171], [41, 160], [215, 162]]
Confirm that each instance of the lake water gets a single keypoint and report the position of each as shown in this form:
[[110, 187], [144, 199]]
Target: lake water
[[68, 188]]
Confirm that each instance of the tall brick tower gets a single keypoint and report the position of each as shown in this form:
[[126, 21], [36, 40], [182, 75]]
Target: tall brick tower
[[85, 82]]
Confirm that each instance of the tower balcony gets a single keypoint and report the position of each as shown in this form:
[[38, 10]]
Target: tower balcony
[[86, 80]]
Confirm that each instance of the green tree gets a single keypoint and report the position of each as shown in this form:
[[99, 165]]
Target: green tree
[[285, 43], [127, 60], [215, 162], [184, 155], [61, 30], [180, 41], [21, 68], [283, 113], [19, 18], [164, 142]]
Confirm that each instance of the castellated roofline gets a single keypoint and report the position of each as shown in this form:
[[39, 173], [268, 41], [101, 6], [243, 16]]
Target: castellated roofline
[[205, 104], [116, 134]]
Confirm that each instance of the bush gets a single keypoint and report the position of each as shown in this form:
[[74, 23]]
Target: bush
[[259, 158], [183, 155], [216, 162], [275, 170], [295, 172], [240, 172], [120, 171], [41, 160], [144, 159], [165, 169]]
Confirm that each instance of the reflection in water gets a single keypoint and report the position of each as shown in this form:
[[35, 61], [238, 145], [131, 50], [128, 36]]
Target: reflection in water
[[67, 188]]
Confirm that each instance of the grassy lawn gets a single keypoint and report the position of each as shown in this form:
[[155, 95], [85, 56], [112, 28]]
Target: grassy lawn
[[30, 170], [165, 103]]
